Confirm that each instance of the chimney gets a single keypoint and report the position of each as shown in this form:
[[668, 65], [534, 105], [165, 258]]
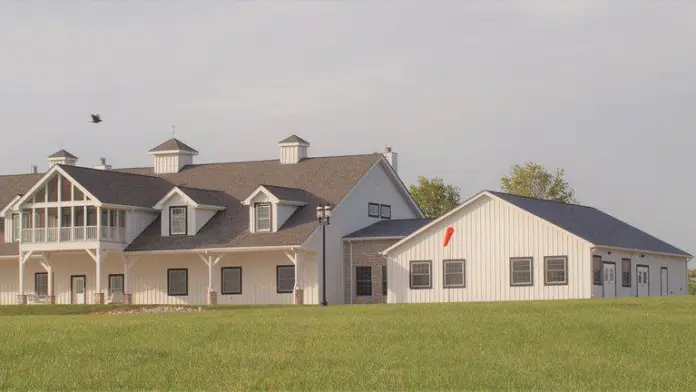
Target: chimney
[[392, 158], [103, 165], [292, 150], [34, 169], [62, 157]]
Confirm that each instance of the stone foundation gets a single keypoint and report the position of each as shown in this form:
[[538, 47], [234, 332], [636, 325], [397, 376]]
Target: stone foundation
[[21, 299], [98, 298], [127, 299], [212, 298], [299, 296]]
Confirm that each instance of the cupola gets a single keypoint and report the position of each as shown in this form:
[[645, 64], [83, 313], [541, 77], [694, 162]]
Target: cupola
[[171, 156]]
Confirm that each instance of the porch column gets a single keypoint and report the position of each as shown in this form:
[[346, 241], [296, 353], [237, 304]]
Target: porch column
[[211, 261], [97, 256], [21, 297], [298, 290], [99, 224], [46, 263], [127, 265]]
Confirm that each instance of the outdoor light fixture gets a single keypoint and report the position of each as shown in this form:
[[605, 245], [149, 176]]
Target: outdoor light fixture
[[324, 217]]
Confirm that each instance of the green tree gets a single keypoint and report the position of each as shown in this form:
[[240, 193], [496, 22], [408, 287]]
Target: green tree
[[533, 180], [692, 282], [434, 197]]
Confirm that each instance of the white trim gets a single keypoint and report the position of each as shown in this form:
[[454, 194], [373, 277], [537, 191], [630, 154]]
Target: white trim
[[189, 201], [618, 249], [272, 197], [125, 207], [293, 144], [219, 250], [10, 205], [47, 176], [292, 203], [354, 239], [185, 152]]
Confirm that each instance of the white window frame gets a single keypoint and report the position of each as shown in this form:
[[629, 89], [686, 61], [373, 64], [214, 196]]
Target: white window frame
[[258, 219], [222, 281], [445, 274], [515, 260], [171, 220], [546, 270], [411, 274]]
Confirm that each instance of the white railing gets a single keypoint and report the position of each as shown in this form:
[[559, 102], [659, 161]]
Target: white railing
[[92, 233], [78, 233], [65, 234], [52, 234], [27, 235], [73, 234], [39, 235]]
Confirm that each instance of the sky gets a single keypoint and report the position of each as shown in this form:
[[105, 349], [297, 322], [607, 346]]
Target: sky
[[460, 89]]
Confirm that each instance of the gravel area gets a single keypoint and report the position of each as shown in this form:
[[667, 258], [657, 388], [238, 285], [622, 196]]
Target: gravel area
[[150, 310]]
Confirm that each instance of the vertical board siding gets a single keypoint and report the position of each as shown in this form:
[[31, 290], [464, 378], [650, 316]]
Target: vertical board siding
[[677, 278], [487, 234]]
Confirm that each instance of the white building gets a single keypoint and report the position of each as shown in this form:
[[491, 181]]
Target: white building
[[186, 233], [507, 247]]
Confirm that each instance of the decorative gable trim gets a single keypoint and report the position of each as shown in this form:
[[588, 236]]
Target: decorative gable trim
[[10, 206], [50, 174], [189, 201], [271, 197]]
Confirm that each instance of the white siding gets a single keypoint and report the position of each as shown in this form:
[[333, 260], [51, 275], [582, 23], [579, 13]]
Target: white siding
[[282, 213], [350, 215], [201, 217], [676, 267], [292, 154], [171, 163], [488, 232], [136, 222]]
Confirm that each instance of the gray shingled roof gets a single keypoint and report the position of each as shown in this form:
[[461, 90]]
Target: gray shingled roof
[[591, 224], [174, 144], [287, 194], [62, 154], [206, 196], [390, 228], [293, 139], [10, 187]]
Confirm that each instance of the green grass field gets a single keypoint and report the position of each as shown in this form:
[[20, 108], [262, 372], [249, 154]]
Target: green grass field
[[647, 344]]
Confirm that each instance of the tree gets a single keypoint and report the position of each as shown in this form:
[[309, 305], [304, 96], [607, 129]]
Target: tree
[[434, 197], [533, 180], [692, 282]]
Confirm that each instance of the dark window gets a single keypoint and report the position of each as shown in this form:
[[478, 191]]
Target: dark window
[[373, 210], [385, 211], [556, 270], [285, 278], [363, 281], [521, 271], [116, 284], [41, 284], [177, 221], [454, 273], [597, 267], [231, 280], [626, 272], [421, 275], [177, 281], [384, 280]]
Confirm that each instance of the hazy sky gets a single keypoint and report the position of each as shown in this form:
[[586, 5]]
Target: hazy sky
[[460, 89]]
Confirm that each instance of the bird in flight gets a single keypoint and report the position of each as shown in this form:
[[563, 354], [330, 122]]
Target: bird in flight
[[96, 118]]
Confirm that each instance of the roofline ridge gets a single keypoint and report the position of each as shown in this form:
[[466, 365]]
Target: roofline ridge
[[536, 198], [111, 171]]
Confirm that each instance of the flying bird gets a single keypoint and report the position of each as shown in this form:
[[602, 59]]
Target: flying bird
[[96, 118]]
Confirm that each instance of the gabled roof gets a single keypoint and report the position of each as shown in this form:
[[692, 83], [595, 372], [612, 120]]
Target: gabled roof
[[394, 228], [293, 139], [62, 154], [587, 223], [206, 196], [279, 194], [591, 224], [174, 144], [114, 187]]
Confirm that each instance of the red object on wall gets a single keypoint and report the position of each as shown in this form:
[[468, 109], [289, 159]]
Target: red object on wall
[[448, 235]]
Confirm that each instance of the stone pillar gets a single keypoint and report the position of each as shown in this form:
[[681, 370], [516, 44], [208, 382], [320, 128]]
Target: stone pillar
[[50, 299], [212, 298], [127, 299], [299, 296], [21, 299], [98, 298]]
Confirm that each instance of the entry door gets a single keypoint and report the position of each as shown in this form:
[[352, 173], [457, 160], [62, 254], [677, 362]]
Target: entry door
[[78, 289], [664, 281], [643, 280], [609, 280]]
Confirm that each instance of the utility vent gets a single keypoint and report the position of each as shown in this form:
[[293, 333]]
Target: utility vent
[[392, 158], [103, 165]]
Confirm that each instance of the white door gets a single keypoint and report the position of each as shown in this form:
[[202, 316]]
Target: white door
[[643, 280], [78, 290], [609, 280], [664, 283]]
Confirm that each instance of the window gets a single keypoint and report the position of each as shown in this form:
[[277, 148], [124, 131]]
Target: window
[[116, 284], [231, 280], [177, 281], [263, 217], [421, 275], [373, 210], [384, 280], [41, 284], [16, 233], [285, 278], [597, 266], [385, 211], [626, 272], [521, 271], [121, 218], [454, 273], [556, 270], [363, 281], [177, 220]]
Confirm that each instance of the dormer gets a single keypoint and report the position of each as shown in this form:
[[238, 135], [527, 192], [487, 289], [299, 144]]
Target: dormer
[[293, 149], [185, 211], [171, 156], [61, 157], [271, 206]]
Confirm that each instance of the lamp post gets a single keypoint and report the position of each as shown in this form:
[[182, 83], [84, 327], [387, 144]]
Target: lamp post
[[324, 217]]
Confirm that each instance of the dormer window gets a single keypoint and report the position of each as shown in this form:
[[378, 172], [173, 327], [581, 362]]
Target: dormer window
[[177, 220], [263, 216]]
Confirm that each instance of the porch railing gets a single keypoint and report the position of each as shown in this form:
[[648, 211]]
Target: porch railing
[[73, 234]]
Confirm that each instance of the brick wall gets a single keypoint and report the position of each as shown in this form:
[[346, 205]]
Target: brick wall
[[364, 253]]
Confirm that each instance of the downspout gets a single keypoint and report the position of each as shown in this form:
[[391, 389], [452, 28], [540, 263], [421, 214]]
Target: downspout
[[350, 272]]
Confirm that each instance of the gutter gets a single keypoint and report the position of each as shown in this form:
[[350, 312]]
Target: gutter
[[219, 250], [628, 250], [353, 239]]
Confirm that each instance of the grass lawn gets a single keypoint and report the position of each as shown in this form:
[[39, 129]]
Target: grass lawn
[[628, 344]]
